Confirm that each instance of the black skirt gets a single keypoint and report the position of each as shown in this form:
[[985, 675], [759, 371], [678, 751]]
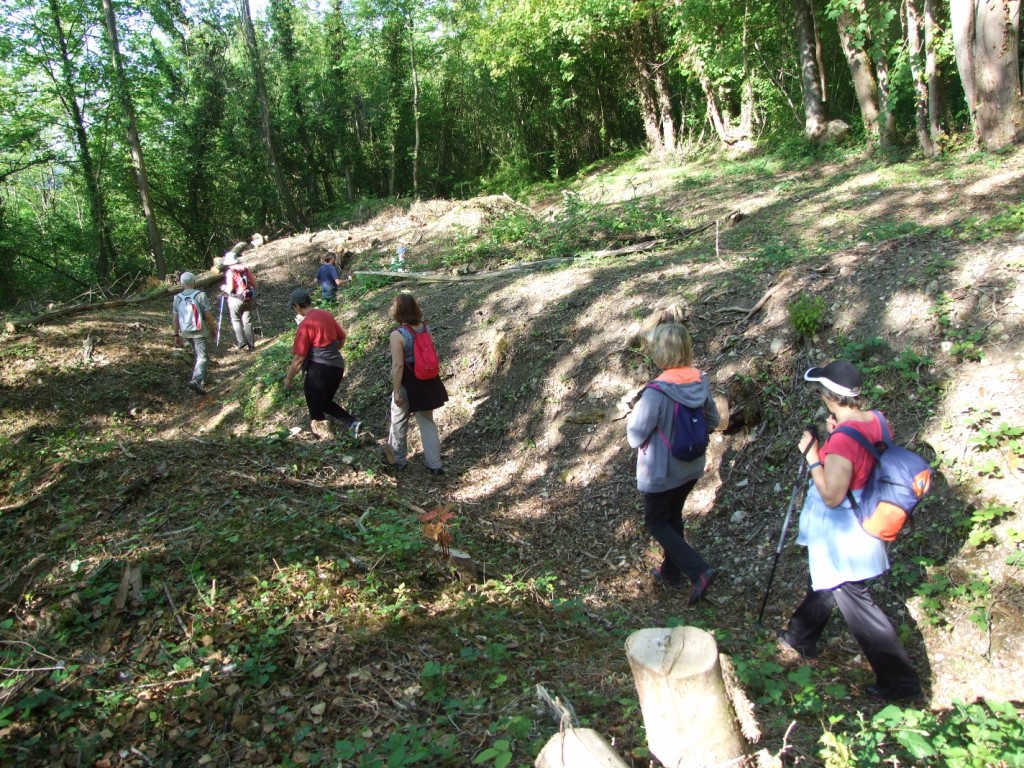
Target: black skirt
[[423, 395]]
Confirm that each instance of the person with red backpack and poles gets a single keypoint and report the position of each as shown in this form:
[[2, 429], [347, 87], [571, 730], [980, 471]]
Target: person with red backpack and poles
[[240, 288], [842, 556], [666, 468], [416, 386]]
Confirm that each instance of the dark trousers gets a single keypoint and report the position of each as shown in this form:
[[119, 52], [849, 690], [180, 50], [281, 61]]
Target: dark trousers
[[869, 626], [322, 382], [663, 515]]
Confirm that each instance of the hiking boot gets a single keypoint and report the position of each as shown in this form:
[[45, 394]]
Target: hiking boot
[[436, 471], [700, 586], [387, 455], [322, 429], [196, 387], [659, 578], [809, 654], [889, 693]]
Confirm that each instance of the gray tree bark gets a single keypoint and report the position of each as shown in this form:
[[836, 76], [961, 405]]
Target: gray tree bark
[[986, 38], [815, 120], [156, 247], [917, 71], [865, 83], [283, 192]]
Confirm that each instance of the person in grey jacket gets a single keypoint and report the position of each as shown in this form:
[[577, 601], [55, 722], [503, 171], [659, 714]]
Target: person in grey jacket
[[663, 480]]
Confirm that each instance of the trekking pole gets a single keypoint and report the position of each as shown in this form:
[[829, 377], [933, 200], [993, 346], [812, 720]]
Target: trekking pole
[[259, 320], [220, 316], [785, 521]]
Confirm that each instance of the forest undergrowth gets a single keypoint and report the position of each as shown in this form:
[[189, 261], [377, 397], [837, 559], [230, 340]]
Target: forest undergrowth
[[199, 581]]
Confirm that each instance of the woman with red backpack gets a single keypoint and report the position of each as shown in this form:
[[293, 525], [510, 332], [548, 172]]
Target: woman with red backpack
[[240, 288], [416, 386]]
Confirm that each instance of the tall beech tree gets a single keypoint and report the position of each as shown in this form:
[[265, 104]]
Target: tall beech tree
[[260, 86], [815, 119], [122, 90]]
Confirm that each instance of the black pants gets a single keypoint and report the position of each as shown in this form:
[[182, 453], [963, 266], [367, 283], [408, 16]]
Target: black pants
[[869, 626], [663, 515], [322, 382]]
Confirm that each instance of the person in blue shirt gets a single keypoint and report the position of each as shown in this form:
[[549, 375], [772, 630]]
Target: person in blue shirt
[[328, 278]]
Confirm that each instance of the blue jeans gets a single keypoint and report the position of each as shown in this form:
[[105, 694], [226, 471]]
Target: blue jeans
[[663, 515]]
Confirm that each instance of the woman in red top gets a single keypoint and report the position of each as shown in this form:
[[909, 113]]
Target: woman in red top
[[317, 351], [842, 557]]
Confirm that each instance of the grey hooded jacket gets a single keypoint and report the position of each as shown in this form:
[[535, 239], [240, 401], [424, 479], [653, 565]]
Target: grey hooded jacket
[[656, 469]]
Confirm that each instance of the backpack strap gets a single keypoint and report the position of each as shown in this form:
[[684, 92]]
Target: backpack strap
[[866, 444], [407, 342], [654, 386]]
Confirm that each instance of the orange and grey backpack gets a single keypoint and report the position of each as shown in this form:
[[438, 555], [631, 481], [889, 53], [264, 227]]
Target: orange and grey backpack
[[898, 481]]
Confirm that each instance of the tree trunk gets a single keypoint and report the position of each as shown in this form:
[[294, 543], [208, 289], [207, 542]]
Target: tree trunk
[[283, 192], [578, 748], [961, 18], [862, 73], [815, 120], [661, 87], [985, 37], [648, 107], [924, 137], [817, 51], [415, 110], [886, 124], [931, 74], [105, 253], [713, 113], [156, 248], [686, 710]]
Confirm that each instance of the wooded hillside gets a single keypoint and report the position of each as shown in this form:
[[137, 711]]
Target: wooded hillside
[[142, 138]]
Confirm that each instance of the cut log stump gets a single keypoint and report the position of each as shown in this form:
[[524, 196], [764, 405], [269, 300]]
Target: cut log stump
[[578, 748], [686, 709]]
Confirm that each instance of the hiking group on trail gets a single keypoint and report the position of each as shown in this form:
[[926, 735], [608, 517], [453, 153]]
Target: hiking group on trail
[[668, 426]]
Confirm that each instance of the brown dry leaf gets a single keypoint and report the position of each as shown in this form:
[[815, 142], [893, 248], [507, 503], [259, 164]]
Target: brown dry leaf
[[319, 670], [206, 640], [233, 689], [318, 709], [241, 722]]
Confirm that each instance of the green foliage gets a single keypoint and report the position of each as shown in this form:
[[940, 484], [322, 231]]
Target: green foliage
[[966, 736], [806, 314]]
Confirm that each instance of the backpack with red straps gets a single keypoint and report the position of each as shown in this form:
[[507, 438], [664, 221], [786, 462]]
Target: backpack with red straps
[[243, 283], [425, 365]]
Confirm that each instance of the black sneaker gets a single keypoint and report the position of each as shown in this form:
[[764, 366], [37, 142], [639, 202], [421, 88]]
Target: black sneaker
[[700, 586], [783, 640], [436, 471], [196, 387]]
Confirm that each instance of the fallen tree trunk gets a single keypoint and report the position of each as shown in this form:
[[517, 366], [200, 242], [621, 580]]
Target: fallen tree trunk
[[13, 326], [686, 709]]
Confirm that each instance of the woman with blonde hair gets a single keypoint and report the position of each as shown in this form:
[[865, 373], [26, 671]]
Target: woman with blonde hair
[[663, 480], [410, 394]]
